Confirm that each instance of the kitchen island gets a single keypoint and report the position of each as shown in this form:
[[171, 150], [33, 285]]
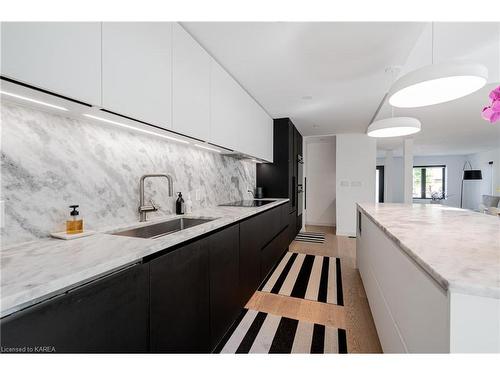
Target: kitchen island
[[432, 277]]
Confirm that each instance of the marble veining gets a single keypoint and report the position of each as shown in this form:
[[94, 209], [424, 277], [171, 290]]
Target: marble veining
[[460, 249], [35, 271], [50, 161]]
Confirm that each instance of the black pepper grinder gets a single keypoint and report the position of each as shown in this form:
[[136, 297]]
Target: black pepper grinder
[[179, 204]]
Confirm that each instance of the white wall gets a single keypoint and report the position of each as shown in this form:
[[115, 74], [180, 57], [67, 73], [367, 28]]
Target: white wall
[[454, 165], [490, 184], [355, 178], [320, 173]]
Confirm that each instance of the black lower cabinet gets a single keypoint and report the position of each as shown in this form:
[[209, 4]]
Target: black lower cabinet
[[285, 212], [108, 315], [179, 310], [224, 282], [183, 301], [250, 246], [298, 224], [292, 227], [259, 233], [272, 253], [270, 225]]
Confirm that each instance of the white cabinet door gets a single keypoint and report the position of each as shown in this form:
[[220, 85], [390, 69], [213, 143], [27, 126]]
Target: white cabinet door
[[256, 127], [262, 132], [267, 125], [191, 86], [270, 139], [61, 57], [137, 70], [236, 120], [226, 101]]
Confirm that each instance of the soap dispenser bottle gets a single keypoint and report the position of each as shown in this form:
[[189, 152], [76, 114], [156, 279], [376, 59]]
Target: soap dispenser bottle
[[179, 204], [75, 224]]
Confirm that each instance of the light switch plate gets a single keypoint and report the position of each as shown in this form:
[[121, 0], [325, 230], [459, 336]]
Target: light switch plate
[[197, 195]]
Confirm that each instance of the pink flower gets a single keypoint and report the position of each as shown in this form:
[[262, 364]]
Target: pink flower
[[495, 94], [495, 106], [492, 112]]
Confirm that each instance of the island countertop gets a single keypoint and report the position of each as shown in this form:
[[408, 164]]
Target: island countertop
[[460, 249], [35, 271]]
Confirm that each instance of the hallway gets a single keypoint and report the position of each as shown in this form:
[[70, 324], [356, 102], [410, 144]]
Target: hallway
[[355, 316]]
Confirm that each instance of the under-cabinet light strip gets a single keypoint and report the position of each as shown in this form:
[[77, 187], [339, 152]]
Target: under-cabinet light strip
[[206, 148], [134, 128], [32, 100]]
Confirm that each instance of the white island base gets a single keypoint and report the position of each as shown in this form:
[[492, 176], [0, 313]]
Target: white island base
[[412, 311]]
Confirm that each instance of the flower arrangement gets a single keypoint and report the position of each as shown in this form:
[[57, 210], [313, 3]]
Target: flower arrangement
[[492, 112]]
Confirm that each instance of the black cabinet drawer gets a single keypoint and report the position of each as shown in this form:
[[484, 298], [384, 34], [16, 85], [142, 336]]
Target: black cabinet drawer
[[224, 282], [179, 308], [272, 253], [109, 315], [270, 224], [285, 211]]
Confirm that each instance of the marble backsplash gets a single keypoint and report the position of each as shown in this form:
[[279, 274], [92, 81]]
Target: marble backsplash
[[50, 161]]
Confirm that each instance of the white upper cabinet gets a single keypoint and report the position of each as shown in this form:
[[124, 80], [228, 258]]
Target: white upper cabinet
[[236, 120], [137, 70], [153, 72], [191, 86], [265, 127], [227, 99], [258, 128], [61, 57]]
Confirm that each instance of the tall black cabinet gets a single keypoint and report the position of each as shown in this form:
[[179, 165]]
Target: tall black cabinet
[[280, 179]]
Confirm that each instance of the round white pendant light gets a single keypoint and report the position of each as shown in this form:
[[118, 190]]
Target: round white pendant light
[[394, 127], [437, 83]]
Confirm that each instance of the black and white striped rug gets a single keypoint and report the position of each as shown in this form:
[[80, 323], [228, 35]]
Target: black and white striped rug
[[311, 277], [259, 332], [310, 237]]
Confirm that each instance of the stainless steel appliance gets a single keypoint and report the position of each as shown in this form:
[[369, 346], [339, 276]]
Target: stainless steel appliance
[[248, 203], [300, 184]]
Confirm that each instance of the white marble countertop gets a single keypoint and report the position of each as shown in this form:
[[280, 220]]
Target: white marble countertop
[[35, 271], [460, 249]]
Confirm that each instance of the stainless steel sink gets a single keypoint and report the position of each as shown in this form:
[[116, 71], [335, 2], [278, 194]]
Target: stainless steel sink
[[162, 229]]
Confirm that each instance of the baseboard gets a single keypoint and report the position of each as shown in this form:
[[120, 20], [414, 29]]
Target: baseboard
[[346, 234], [319, 224]]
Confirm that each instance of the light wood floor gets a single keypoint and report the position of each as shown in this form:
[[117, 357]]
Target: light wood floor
[[355, 316]]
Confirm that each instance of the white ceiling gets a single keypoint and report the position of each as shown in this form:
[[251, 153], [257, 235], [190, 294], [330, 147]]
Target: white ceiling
[[342, 66]]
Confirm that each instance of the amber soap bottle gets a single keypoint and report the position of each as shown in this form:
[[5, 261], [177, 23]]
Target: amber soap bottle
[[75, 224]]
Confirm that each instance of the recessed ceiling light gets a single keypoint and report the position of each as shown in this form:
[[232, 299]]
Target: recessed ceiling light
[[33, 100], [394, 127], [206, 147], [134, 128]]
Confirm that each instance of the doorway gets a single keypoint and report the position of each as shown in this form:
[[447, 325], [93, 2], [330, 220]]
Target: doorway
[[379, 184], [320, 156]]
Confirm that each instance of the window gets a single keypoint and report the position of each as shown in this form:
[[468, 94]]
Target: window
[[428, 181]]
